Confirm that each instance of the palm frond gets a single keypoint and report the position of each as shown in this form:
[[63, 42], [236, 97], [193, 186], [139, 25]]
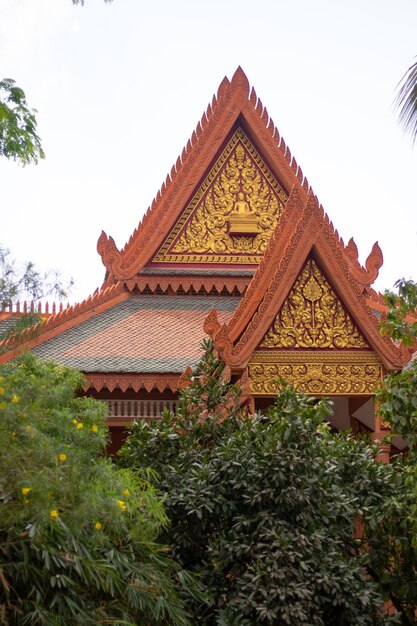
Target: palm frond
[[406, 102]]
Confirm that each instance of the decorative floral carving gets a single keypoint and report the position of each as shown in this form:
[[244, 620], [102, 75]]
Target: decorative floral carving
[[313, 317], [233, 214], [316, 379], [315, 373]]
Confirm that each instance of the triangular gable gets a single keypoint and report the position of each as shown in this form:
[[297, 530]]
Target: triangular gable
[[313, 317], [162, 235], [303, 233], [233, 214]]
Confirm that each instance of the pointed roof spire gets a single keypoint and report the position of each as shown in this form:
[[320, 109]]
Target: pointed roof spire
[[234, 101]]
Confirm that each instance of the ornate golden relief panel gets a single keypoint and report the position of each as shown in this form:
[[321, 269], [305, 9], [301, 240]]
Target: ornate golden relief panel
[[232, 216], [316, 373], [313, 317]]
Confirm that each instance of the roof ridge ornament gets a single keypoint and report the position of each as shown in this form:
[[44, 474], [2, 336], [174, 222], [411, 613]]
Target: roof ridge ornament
[[233, 100], [367, 275]]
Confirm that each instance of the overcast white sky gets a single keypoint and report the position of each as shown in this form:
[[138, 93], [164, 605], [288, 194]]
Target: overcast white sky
[[120, 87]]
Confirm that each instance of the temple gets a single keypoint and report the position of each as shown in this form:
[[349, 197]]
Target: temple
[[235, 246]]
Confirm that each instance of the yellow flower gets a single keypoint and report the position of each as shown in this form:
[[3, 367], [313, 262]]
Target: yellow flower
[[126, 492], [98, 526], [122, 505], [28, 428], [25, 490], [15, 399], [74, 421], [62, 457], [1, 390], [80, 425], [54, 514], [94, 428], [3, 405]]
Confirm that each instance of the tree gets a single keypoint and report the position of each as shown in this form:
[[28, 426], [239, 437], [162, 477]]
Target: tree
[[19, 140], [18, 126], [400, 323], [406, 101], [27, 281], [77, 534], [393, 536], [263, 507]]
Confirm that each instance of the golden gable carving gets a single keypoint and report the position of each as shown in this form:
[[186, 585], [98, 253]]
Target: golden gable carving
[[350, 372], [313, 317], [234, 213]]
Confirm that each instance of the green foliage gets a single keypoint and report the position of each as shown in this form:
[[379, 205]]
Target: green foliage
[[401, 304], [263, 507], [392, 536], [77, 534], [18, 138], [26, 282], [398, 404]]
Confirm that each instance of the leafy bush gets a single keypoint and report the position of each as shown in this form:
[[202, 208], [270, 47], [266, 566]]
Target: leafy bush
[[263, 507], [77, 534]]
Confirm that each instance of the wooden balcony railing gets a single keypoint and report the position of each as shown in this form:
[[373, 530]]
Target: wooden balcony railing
[[129, 410]]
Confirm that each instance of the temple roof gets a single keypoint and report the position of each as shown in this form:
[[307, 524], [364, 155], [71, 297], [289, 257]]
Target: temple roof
[[235, 162], [155, 333], [235, 216]]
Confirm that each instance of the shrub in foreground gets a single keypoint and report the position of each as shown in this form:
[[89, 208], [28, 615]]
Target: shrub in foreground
[[263, 508], [77, 534]]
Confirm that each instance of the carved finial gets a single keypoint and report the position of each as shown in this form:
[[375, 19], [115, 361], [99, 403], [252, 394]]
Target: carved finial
[[240, 81], [374, 262], [211, 324], [107, 249], [222, 341], [294, 166], [184, 380], [102, 243], [223, 88], [259, 107], [352, 250]]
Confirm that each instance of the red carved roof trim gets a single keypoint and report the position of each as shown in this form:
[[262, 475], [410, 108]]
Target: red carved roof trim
[[99, 381], [233, 100], [187, 284]]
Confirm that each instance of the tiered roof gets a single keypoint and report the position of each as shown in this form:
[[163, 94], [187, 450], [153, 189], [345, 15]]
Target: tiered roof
[[185, 258]]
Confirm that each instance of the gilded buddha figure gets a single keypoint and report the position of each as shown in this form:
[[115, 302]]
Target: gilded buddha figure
[[242, 220]]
